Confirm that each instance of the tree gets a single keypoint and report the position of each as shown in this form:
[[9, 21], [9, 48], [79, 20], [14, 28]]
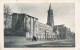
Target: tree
[[7, 12]]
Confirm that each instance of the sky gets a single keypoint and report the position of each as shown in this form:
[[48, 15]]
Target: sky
[[64, 13]]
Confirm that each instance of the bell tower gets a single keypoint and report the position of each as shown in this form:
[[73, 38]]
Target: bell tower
[[50, 18]]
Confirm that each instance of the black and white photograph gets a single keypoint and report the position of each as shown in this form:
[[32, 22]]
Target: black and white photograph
[[37, 25]]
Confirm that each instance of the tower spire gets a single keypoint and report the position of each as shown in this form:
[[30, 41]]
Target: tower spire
[[50, 18], [50, 6]]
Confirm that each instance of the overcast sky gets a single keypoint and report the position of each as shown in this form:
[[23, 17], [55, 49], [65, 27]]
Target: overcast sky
[[64, 13]]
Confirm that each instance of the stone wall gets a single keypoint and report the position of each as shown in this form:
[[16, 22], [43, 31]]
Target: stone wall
[[45, 31], [63, 32], [23, 23]]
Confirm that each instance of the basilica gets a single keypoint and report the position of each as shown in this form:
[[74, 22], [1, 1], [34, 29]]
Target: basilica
[[28, 26]]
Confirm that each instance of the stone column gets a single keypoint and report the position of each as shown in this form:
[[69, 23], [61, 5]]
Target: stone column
[[27, 26], [45, 35], [33, 26], [58, 35], [67, 34], [30, 28]]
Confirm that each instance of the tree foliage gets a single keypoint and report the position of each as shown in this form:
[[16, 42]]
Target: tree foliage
[[7, 12]]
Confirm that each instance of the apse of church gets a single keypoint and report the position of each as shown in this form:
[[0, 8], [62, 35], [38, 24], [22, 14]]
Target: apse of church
[[24, 23]]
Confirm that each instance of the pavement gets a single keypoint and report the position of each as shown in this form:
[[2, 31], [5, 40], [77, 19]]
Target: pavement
[[39, 42], [22, 42]]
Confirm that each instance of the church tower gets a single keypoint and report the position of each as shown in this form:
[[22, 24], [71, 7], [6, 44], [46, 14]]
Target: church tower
[[50, 20]]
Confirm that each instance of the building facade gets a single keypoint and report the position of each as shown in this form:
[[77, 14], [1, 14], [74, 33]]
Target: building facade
[[62, 32], [45, 31]]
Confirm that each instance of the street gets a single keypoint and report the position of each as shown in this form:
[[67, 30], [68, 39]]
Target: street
[[21, 42], [54, 44]]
